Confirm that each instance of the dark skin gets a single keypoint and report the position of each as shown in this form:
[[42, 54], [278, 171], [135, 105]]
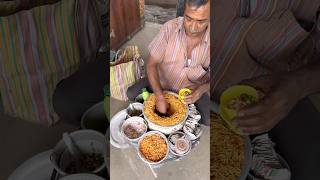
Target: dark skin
[[282, 92], [196, 22]]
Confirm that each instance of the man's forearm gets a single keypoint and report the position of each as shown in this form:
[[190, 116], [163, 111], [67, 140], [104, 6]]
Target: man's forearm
[[205, 88], [153, 77]]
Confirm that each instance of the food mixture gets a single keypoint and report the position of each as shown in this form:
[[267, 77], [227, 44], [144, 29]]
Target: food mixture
[[176, 108], [153, 147], [240, 102], [227, 151], [133, 131], [88, 163], [134, 112]]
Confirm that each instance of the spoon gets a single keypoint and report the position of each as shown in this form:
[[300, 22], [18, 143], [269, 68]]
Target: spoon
[[73, 149]]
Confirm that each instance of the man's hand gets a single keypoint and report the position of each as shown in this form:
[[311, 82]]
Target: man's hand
[[161, 104], [153, 77], [281, 95], [196, 94], [193, 97]]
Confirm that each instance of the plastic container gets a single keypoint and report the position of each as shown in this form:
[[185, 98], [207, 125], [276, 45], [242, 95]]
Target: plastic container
[[134, 122], [229, 94], [135, 107], [88, 141], [94, 118]]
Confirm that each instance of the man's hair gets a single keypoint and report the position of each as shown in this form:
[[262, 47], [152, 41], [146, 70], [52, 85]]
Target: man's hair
[[196, 3]]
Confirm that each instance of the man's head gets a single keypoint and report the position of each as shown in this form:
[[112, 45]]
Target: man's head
[[196, 17]]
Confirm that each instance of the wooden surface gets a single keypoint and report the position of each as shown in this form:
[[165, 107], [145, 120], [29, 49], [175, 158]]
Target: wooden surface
[[163, 3], [124, 21]]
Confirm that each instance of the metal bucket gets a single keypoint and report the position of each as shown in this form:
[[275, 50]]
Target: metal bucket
[[95, 118], [88, 141]]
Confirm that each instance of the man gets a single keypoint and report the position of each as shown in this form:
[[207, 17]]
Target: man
[[275, 50], [270, 59], [180, 58], [83, 89]]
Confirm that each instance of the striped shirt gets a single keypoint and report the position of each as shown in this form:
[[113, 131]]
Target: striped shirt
[[169, 49], [266, 39]]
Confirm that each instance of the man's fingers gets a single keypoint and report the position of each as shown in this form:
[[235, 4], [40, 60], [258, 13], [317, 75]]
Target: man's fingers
[[162, 106], [248, 121], [251, 124], [161, 110], [255, 82], [254, 130], [254, 125], [253, 109], [188, 101], [262, 83], [188, 98]]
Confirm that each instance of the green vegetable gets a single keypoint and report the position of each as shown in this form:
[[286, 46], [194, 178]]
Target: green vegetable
[[145, 94], [247, 98]]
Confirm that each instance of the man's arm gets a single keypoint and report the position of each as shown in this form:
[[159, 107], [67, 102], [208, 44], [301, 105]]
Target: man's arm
[[153, 77], [205, 88], [285, 90], [197, 93]]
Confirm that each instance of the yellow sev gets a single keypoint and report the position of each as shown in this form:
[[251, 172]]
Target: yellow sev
[[227, 151], [177, 108], [153, 147]]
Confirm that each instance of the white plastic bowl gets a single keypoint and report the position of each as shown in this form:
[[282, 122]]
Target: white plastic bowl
[[137, 106], [89, 141], [134, 121]]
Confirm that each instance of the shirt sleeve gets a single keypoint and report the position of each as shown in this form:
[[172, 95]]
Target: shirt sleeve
[[157, 47], [272, 43], [206, 68]]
